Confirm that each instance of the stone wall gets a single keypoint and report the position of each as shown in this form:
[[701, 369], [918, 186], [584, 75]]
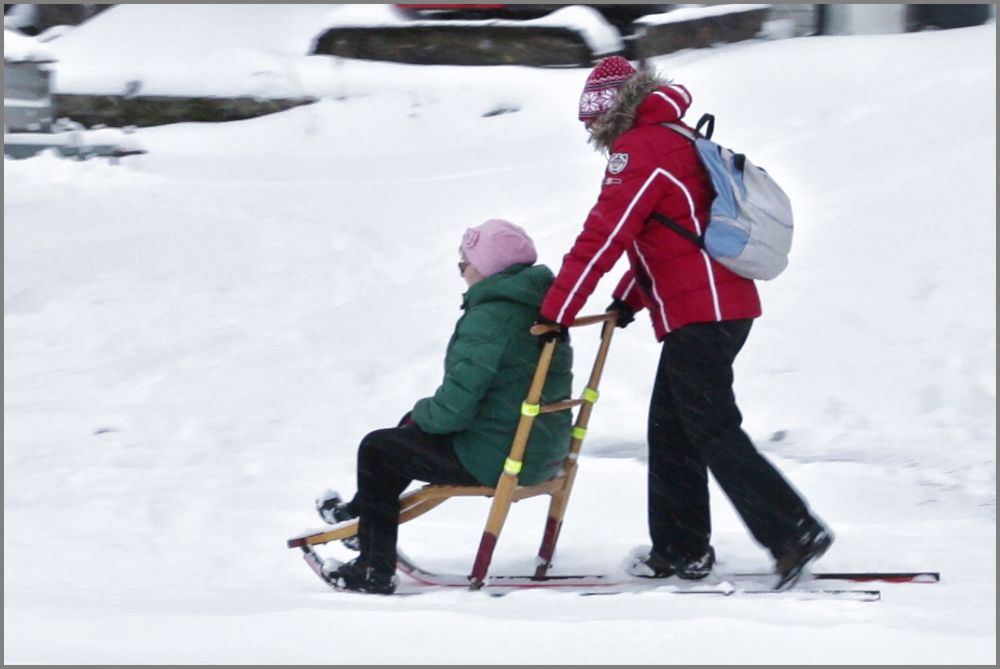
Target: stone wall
[[141, 111], [438, 43], [428, 43], [47, 15], [805, 19], [458, 45], [656, 39]]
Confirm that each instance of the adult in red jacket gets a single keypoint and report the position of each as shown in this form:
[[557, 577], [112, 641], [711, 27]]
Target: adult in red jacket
[[701, 312]]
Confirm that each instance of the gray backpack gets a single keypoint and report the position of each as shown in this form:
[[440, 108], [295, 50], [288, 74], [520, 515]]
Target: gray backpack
[[750, 228]]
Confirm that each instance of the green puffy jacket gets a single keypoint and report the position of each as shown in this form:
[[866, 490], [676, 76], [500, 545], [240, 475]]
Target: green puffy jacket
[[488, 368]]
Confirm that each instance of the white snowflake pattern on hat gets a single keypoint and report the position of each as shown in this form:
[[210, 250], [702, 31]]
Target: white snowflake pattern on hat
[[602, 86], [594, 103]]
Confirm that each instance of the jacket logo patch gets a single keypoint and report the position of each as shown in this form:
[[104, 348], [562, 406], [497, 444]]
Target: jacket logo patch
[[617, 162]]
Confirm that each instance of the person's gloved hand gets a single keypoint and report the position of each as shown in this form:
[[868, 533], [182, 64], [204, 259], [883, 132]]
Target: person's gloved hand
[[407, 420], [625, 313], [558, 333]]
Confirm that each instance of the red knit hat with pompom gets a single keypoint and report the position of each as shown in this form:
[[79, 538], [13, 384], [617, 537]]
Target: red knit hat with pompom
[[602, 86]]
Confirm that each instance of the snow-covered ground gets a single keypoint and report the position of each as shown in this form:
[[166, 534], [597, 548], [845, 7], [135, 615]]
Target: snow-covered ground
[[196, 340]]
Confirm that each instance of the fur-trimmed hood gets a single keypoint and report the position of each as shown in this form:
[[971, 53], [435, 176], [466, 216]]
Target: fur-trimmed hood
[[644, 99]]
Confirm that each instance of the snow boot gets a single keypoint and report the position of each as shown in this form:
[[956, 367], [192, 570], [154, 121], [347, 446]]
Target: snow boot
[[356, 576], [654, 565], [811, 542], [333, 510]]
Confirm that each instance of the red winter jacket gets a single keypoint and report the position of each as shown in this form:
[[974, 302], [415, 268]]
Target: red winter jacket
[[652, 168]]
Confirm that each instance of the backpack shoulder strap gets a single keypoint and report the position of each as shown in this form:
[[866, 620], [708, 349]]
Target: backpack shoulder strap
[[707, 121], [679, 229], [681, 130]]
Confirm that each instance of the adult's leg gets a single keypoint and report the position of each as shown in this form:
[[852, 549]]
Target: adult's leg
[[700, 363], [388, 461], [677, 486]]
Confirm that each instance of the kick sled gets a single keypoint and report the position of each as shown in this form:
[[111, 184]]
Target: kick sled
[[507, 491]]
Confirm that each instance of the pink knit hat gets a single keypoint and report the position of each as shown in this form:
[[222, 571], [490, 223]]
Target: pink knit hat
[[602, 86], [496, 245]]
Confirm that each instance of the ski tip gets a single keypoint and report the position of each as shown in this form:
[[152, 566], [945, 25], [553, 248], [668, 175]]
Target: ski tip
[[886, 577]]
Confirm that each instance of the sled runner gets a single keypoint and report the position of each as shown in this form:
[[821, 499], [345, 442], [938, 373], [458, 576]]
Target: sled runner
[[418, 502]]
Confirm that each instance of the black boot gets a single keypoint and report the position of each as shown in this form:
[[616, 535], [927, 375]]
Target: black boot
[[691, 568], [356, 576], [333, 510], [811, 542]]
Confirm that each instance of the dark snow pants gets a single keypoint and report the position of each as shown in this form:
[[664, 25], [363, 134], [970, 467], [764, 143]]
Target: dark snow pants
[[388, 461], [694, 427]]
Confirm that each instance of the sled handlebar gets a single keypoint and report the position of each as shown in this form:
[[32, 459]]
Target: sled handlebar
[[542, 328]]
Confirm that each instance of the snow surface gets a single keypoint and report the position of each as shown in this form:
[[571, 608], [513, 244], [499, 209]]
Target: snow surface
[[196, 340], [600, 36], [682, 14], [186, 53], [18, 47]]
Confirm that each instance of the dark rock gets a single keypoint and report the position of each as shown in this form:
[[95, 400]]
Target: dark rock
[[47, 16], [148, 110], [459, 45], [699, 31]]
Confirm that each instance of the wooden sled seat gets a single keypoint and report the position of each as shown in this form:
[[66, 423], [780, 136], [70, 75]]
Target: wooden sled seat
[[418, 502]]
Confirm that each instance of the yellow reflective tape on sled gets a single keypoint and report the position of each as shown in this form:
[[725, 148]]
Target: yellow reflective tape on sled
[[530, 409], [512, 466], [590, 395], [580, 433]]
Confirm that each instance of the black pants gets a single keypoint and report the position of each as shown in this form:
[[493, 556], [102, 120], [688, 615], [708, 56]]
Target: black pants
[[694, 427], [388, 461]]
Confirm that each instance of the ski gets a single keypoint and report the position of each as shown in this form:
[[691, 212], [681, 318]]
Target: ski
[[739, 584], [407, 565], [885, 577], [600, 584]]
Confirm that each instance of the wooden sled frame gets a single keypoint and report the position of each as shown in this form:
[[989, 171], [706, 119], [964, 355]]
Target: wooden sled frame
[[418, 502]]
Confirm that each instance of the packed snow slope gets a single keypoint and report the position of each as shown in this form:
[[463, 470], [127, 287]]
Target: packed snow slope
[[196, 340]]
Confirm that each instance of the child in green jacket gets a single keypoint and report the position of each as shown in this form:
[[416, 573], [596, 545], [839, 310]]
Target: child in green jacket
[[462, 434]]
